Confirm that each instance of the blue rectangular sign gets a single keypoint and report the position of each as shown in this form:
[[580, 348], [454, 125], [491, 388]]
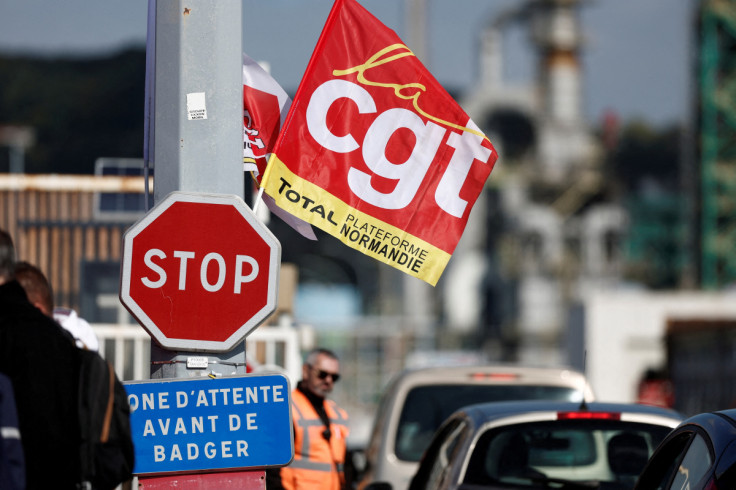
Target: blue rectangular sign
[[192, 425]]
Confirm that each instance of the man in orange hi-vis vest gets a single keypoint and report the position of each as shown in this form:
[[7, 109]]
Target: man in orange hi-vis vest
[[320, 430]]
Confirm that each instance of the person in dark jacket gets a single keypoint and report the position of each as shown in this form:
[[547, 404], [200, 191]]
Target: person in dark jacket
[[12, 465], [39, 358], [40, 294], [36, 285]]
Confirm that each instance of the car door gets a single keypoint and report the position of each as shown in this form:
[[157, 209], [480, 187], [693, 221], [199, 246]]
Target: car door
[[683, 461]]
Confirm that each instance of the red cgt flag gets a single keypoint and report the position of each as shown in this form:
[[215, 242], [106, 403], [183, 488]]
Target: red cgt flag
[[265, 105], [375, 152]]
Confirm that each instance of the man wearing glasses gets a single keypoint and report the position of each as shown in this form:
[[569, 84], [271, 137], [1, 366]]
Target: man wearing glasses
[[320, 430]]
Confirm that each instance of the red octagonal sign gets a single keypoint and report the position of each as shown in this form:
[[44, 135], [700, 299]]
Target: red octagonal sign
[[200, 272]]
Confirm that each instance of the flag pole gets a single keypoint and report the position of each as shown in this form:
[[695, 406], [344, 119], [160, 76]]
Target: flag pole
[[262, 183], [258, 199]]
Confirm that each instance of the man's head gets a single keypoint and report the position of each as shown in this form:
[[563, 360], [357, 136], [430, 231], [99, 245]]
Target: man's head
[[7, 257], [36, 285], [320, 372]]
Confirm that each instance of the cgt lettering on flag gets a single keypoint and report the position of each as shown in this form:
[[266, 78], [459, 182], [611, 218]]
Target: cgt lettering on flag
[[408, 175], [375, 143]]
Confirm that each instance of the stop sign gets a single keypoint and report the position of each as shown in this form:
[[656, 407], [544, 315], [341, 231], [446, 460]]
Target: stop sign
[[200, 272]]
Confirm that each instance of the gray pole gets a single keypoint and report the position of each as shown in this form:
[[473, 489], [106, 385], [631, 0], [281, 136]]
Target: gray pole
[[194, 139], [416, 27]]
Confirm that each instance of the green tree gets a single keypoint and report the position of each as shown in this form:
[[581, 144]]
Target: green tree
[[81, 109]]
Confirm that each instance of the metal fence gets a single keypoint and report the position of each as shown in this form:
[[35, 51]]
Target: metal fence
[[269, 348]]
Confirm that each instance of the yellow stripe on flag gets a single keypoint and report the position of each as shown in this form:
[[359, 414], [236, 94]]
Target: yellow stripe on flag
[[358, 230]]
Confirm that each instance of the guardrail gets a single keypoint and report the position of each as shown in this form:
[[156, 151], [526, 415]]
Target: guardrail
[[268, 348]]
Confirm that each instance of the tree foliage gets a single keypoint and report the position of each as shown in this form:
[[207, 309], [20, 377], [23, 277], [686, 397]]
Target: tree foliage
[[646, 155], [80, 109]]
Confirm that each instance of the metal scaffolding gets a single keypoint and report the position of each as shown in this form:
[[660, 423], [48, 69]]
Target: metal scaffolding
[[717, 87]]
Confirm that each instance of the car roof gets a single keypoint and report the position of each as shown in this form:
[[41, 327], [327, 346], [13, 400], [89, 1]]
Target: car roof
[[499, 369], [730, 413], [501, 374], [720, 425], [484, 412], [492, 374], [705, 419]]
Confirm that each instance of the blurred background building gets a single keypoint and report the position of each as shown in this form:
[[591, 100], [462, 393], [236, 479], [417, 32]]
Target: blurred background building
[[581, 220]]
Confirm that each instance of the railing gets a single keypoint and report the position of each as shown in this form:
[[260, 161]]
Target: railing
[[268, 348], [121, 344]]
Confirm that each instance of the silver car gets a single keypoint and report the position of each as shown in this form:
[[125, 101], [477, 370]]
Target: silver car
[[535, 445], [417, 401]]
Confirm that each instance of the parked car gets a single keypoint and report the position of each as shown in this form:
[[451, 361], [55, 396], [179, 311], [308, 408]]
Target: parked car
[[543, 444], [417, 401], [700, 454]]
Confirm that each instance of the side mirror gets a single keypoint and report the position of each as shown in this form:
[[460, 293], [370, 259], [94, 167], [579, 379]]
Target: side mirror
[[355, 466], [358, 460]]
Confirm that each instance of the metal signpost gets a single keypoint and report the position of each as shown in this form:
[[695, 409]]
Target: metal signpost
[[198, 272], [194, 121]]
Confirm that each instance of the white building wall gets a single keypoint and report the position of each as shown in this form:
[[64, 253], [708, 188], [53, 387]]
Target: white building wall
[[624, 334]]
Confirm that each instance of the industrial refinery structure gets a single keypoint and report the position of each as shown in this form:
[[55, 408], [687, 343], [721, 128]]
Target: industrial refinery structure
[[545, 231]]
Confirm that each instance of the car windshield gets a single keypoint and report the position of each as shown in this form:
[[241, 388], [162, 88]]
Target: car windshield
[[426, 407], [578, 453]]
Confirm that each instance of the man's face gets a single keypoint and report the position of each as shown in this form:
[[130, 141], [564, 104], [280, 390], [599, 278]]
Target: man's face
[[318, 378]]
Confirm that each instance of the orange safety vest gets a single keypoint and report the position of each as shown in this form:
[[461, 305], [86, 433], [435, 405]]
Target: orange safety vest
[[318, 464]]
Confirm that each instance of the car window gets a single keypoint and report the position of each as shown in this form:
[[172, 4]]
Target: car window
[[439, 454], [662, 467], [426, 407], [527, 455], [563, 448], [439, 470], [695, 464]]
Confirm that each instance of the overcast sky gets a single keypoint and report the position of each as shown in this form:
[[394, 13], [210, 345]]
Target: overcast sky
[[636, 60]]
